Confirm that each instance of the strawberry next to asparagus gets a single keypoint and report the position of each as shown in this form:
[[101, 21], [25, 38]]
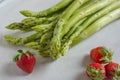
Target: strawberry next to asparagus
[[25, 61], [113, 71], [96, 71], [101, 54]]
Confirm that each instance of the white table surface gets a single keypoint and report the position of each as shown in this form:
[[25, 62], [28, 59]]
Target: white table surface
[[70, 67]]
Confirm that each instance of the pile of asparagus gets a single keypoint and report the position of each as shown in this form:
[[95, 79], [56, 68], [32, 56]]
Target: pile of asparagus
[[63, 25]]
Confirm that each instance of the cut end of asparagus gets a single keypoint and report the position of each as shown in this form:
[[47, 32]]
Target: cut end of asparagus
[[26, 13], [12, 39]]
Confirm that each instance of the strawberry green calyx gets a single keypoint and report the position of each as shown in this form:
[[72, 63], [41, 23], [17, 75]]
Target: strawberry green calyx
[[18, 56], [107, 55], [95, 74], [20, 51], [116, 74]]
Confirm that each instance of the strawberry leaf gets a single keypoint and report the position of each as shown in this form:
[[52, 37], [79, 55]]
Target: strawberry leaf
[[15, 58], [107, 55], [20, 51]]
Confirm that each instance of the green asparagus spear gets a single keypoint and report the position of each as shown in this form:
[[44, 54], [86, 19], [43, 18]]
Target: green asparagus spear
[[55, 42], [102, 12], [12, 39], [33, 45], [42, 51], [28, 23], [96, 16], [73, 28], [89, 3], [78, 23], [102, 22], [97, 25], [44, 27], [21, 41], [45, 53], [46, 38], [18, 26], [85, 12], [47, 12], [89, 21], [37, 46], [43, 43]]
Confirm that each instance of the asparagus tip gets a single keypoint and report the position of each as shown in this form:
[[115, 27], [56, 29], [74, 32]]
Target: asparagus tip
[[26, 13], [12, 39], [13, 26]]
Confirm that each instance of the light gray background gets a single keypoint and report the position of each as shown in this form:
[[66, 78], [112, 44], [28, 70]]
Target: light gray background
[[70, 67]]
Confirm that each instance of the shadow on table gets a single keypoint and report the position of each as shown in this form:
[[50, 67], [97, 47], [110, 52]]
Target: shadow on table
[[82, 76], [11, 69], [86, 60]]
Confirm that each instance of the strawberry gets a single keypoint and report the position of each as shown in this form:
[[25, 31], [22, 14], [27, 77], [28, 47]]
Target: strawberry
[[101, 54], [96, 71], [113, 71], [25, 61]]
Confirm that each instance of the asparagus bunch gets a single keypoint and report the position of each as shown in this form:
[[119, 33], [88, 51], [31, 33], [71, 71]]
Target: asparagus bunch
[[62, 26]]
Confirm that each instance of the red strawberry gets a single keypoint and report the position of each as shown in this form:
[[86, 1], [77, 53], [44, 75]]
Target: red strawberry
[[101, 54], [96, 71], [25, 61], [113, 71]]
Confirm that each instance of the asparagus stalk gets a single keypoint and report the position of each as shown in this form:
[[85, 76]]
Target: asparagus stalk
[[73, 28], [33, 45], [46, 53], [43, 46], [42, 51], [46, 38], [44, 41], [85, 12], [28, 23], [102, 22], [55, 42], [89, 3], [47, 12], [96, 16], [44, 27], [101, 13], [21, 41], [37, 46], [14, 26], [12, 39], [97, 25], [33, 20]]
